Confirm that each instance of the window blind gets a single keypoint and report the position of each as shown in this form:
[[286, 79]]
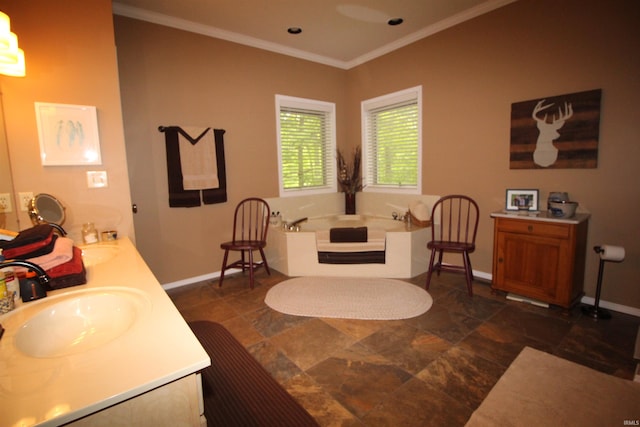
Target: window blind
[[305, 148], [392, 138]]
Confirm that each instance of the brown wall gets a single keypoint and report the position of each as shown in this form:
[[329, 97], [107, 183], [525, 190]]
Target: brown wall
[[70, 57], [172, 77], [471, 74]]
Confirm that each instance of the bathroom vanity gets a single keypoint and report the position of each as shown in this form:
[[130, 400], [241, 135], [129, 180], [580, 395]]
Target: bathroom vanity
[[540, 256], [112, 352]]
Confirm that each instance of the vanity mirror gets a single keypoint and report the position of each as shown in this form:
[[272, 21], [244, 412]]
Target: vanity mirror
[[44, 208], [8, 209]]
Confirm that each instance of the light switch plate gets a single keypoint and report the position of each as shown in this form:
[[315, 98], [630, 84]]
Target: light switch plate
[[97, 179], [24, 198]]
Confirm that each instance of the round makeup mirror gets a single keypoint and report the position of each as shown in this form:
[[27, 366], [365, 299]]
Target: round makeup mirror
[[44, 208]]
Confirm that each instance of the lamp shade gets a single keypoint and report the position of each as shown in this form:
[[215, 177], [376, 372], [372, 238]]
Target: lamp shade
[[12, 61], [5, 29], [17, 69]]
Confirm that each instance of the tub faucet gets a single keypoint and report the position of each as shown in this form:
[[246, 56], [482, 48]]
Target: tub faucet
[[298, 221], [43, 277], [295, 225]]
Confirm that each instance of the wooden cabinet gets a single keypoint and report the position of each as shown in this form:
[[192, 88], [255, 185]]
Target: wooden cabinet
[[540, 257]]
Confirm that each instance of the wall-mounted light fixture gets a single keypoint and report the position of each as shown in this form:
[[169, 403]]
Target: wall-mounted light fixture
[[11, 56]]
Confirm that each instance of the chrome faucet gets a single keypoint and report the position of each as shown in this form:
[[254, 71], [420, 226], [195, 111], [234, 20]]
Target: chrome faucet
[[298, 221], [59, 228], [43, 277], [295, 225]]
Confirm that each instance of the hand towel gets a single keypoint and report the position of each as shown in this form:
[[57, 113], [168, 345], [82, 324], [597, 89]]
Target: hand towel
[[348, 235], [198, 158], [178, 196], [27, 240], [71, 273], [218, 195], [62, 252], [31, 250]]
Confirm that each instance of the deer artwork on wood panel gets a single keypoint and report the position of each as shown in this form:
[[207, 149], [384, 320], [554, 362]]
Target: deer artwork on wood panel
[[546, 153]]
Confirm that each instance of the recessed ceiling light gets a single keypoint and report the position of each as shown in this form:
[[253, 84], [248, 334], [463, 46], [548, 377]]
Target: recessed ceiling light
[[395, 21], [294, 30]]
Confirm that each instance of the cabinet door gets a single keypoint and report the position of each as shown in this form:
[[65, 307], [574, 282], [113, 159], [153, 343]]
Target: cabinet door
[[531, 265]]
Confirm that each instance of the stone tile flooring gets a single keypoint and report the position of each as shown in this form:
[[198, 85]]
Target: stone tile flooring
[[432, 370]]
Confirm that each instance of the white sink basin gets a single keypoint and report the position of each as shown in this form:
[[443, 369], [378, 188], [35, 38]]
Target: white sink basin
[[97, 254], [79, 321]]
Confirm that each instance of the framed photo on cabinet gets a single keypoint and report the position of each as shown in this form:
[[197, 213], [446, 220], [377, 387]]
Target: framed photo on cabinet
[[522, 200]]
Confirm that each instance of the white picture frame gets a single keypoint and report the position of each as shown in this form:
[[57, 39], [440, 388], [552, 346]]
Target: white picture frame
[[522, 200], [68, 134]]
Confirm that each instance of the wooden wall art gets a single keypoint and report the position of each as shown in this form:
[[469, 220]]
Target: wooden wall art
[[556, 132]]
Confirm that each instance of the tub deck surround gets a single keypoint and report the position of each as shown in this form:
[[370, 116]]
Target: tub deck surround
[[158, 349], [296, 253]]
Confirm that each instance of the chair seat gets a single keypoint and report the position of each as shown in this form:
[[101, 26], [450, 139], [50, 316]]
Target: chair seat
[[451, 246], [244, 245]]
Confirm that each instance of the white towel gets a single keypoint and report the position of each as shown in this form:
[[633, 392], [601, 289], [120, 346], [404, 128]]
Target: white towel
[[198, 161]]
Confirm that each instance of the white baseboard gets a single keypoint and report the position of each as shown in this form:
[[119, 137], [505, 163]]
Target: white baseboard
[[613, 306], [196, 279], [633, 311]]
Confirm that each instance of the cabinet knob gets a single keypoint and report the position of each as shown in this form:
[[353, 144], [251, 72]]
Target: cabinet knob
[[530, 228], [500, 260]]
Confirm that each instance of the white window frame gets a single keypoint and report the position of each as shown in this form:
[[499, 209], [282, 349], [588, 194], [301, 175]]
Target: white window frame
[[414, 93], [330, 165]]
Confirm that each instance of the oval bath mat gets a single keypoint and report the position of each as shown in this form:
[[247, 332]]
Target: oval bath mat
[[349, 298]]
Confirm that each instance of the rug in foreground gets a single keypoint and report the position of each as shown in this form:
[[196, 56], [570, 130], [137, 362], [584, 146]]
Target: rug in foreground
[[349, 298]]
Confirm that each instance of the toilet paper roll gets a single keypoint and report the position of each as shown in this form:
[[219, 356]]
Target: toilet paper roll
[[612, 253]]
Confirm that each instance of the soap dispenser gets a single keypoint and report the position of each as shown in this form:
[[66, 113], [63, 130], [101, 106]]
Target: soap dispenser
[[30, 288]]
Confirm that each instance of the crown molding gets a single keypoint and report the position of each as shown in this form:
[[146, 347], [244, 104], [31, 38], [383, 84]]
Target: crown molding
[[209, 31]]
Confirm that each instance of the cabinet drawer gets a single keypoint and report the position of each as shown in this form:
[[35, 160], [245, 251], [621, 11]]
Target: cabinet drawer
[[533, 227]]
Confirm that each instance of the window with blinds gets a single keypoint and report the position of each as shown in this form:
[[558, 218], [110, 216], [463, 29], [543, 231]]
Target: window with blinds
[[306, 146], [392, 141]]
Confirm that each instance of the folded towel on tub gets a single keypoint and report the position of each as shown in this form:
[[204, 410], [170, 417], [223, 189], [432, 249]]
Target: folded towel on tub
[[376, 241], [348, 234]]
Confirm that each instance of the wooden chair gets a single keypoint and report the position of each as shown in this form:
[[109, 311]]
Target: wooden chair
[[250, 225], [454, 224]]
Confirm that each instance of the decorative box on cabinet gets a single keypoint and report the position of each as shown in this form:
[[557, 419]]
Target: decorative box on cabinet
[[540, 257]]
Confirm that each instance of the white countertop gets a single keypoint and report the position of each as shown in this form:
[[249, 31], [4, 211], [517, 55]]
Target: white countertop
[[157, 349], [541, 216]]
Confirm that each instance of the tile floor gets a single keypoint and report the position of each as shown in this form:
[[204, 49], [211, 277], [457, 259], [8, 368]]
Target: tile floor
[[432, 370]]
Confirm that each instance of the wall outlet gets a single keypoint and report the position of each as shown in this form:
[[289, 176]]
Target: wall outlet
[[5, 203], [24, 199]]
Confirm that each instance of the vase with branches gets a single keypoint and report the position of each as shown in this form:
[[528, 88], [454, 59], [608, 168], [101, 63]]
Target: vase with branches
[[350, 178]]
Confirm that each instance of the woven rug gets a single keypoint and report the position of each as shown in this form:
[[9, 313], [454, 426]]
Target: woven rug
[[349, 298]]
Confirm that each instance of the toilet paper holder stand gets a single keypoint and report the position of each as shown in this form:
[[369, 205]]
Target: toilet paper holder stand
[[595, 311]]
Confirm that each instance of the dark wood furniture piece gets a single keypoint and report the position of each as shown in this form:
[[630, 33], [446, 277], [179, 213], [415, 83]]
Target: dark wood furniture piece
[[541, 257], [454, 226], [250, 225]]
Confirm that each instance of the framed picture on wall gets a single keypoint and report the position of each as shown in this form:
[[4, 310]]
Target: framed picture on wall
[[522, 200], [68, 134]]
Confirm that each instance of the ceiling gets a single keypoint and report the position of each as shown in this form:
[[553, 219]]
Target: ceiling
[[340, 33]]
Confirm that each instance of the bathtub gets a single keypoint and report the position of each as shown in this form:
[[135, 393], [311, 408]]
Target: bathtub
[[294, 253]]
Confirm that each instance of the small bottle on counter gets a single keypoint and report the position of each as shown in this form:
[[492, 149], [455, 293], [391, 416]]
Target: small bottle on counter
[[9, 276], [89, 233]]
